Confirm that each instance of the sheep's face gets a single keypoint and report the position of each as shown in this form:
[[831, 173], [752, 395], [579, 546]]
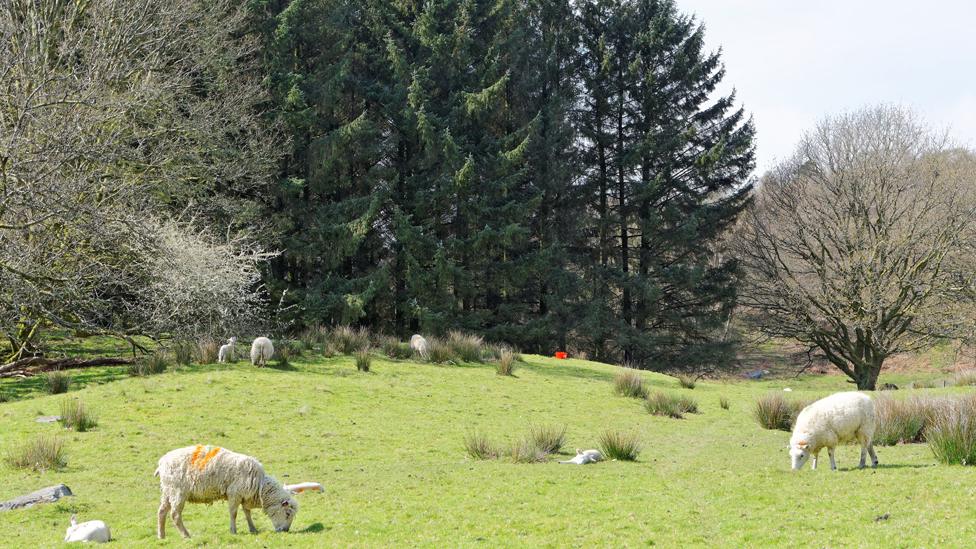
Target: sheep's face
[[799, 454], [281, 512]]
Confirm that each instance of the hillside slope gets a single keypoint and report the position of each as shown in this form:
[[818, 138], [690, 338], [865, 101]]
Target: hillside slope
[[387, 445]]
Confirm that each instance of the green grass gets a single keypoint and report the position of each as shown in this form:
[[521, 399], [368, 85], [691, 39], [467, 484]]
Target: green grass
[[389, 449]]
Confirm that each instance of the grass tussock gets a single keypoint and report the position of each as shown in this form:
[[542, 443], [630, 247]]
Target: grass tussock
[[773, 411], [479, 446], [506, 363], [183, 352], [57, 382], [286, 351], [394, 348], [723, 402], [548, 438], [664, 404], [313, 337], [465, 347], [686, 382], [952, 433], [43, 453], [904, 420], [207, 350], [629, 383], [150, 365], [620, 445], [362, 360], [439, 352], [75, 415], [964, 378], [526, 450], [349, 340], [4, 397]]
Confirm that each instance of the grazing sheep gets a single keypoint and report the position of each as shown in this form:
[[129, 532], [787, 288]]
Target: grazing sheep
[[261, 351], [585, 456], [227, 351], [205, 474], [94, 530], [839, 418], [419, 345]]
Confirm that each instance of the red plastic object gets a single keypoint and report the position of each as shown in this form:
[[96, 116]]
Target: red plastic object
[[561, 354]]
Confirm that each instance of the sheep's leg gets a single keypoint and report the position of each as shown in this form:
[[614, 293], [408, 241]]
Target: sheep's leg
[[233, 504], [833, 464], [178, 519], [250, 523], [874, 457], [864, 456], [161, 517], [813, 461]]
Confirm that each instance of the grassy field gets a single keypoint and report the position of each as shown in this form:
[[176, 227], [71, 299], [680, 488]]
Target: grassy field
[[388, 446]]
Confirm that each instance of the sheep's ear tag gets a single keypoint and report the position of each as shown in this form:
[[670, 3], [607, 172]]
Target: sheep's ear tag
[[802, 444]]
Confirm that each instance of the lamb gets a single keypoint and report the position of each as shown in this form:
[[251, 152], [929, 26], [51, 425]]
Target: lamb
[[585, 456], [205, 474], [226, 352], [261, 351], [94, 530], [836, 419], [419, 345]]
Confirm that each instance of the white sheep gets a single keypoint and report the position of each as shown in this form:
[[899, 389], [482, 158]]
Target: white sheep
[[261, 351], [839, 418], [585, 456], [226, 352], [94, 530], [205, 474], [419, 345]]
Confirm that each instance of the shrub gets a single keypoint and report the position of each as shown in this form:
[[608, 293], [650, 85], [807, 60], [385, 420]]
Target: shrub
[[329, 350], [723, 402], [548, 438], [506, 363], [527, 450], [312, 336], [349, 340], [439, 352], [903, 420], [362, 360], [686, 382], [74, 415], [4, 397], [466, 347], [57, 382], [952, 434], [660, 403], [629, 383], [775, 412], [40, 454], [286, 351], [619, 445], [153, 364], [479, 447], [207, 349], [964, 377], [183, 352]]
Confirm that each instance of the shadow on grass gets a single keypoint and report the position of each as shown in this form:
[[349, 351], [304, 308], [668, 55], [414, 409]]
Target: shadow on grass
[[313, 528], [571, 371], [282, 367]]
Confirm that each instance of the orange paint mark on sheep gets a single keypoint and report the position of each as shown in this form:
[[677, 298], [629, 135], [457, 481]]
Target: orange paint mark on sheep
[[206, 459], [196, 454]]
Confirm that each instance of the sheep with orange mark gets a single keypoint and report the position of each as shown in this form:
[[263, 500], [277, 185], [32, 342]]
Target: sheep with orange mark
[[261, 351], [830, 421], [205, 474]]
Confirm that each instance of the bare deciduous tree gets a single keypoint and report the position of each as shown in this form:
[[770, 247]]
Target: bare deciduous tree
[[115, 114], [847, 245]]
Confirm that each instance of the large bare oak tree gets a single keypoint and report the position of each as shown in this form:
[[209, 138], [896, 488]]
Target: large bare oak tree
[[848, 245]]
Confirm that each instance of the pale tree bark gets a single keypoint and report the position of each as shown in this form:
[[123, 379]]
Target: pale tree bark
[[847, 245]]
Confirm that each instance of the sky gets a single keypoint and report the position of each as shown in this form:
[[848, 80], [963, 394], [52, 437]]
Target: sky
[[792, 63]]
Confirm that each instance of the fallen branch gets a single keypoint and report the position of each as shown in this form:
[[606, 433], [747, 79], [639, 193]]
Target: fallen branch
[[35, 364]]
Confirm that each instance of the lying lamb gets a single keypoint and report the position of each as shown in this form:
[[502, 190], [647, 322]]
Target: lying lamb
[[226, 352], [204, 474], [261, 351], [839, 418], [94, 530], [585, 456], [419, 345]]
